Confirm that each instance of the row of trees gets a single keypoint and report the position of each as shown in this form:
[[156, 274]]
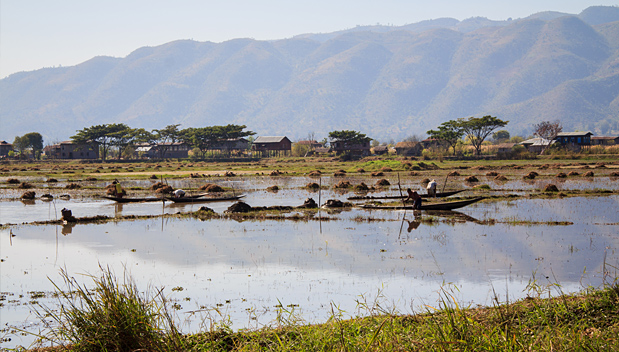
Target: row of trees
[[476, 129], [121, 136]]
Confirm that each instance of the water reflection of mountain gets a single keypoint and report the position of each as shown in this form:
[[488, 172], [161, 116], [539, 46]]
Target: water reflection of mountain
[[454, 251]]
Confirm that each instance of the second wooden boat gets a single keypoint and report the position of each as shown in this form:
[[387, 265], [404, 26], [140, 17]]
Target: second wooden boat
[[428, 206], [438, 195], [203, 199], [132, 200]]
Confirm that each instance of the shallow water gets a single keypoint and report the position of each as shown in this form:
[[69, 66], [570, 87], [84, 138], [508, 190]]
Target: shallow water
[[247, 268]]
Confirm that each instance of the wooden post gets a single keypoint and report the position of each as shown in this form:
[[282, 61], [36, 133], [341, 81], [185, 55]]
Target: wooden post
[[400, 188]]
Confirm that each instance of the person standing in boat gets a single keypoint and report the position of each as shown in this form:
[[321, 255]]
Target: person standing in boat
[[118, 189], [415, 197], [179, 193], [432, 188]]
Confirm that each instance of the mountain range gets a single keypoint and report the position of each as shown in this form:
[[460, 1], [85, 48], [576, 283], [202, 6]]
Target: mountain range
[[389, 82]]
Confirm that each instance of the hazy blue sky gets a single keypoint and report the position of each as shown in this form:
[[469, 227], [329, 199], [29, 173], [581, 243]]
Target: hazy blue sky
[[46, 33]]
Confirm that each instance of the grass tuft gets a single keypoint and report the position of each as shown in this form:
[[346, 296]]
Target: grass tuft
[[112, 316]]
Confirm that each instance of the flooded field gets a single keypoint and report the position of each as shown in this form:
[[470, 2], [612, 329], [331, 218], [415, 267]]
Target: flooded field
[[243, 272]]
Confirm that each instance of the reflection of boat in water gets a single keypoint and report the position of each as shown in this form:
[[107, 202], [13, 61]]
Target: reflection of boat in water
[[133, 200], [428, 206], [203, 199], [438, 195]]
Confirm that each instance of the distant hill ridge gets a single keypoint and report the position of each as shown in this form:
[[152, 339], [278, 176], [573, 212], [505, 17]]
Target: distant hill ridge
[[387, 82]]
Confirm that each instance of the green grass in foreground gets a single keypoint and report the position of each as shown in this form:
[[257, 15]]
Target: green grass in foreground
[[116, 317]]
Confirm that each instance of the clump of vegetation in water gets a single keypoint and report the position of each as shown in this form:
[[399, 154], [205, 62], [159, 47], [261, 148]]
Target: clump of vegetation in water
[[211, 187], [312, 185], [383, 183], [471, 179], [484, 186], [343, 184], [551, 188], [361, 187]]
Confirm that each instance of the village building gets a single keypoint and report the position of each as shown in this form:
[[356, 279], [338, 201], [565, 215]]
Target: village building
[[380, 150], [604, 140], [169, 150], [574, 140], [409, 148], [310, 144], [504, 148], [72, 150], [231, 144], [358, 149], [536, 145], [5, 148], [272, 145]]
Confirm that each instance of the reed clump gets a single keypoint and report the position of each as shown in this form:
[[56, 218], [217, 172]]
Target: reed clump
[[115, 316], [111, 316]]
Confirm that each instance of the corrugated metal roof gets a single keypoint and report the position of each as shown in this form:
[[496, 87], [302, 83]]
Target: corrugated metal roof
[[572, 134], [537, 142], [269, 139]]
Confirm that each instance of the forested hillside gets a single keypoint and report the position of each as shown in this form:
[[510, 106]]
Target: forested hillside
[[387, 82]]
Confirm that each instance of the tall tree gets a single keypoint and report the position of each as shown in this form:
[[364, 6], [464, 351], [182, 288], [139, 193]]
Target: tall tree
[[477, 129], [30, 141], [500, 136], [166, 137], [101, 134], [121, 138], [547, 130], [20, 145], [449, 132], [202, 138]]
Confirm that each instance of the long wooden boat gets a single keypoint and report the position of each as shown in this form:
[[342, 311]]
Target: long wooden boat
[[428, 206], [133, 200], [438, 195], [203, 199]]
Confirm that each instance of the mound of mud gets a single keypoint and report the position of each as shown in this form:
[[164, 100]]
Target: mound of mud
[[343, 184], [551, 188], [383, 182], [28, 195], [210, 187], [471, 179], [308, 204], [239, 207]]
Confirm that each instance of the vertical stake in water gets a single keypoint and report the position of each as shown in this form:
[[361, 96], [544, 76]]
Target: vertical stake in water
[[400, 188], [319, 213]]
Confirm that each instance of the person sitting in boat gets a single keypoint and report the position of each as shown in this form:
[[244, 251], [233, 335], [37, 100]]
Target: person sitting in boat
[[432, 188], [179, 193], [415, 197], [118, 189]]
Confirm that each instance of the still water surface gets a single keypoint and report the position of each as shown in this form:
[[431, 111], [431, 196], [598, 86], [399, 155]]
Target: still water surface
[[244, 269]]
